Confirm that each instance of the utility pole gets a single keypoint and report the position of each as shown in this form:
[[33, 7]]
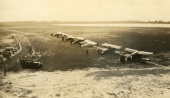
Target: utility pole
[[5, 69]]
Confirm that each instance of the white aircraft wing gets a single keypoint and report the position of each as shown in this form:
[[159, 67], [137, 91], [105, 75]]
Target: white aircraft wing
[[101, 50], [133, 51], [58, 33], [130, 50], [111, 46], [145, 53], [88, 43], [69, 36], [104, 49], [78, 39]]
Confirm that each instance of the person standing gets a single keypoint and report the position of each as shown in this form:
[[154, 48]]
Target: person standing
[[87, 51], [5, 70]]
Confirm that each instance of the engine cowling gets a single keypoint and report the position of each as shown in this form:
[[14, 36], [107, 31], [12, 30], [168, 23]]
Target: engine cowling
[[126, 57]]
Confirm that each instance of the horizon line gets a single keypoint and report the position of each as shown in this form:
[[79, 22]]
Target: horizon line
[[155, 21]]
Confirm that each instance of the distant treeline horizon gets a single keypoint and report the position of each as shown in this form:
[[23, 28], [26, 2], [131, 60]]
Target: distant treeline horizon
[[76, 22]]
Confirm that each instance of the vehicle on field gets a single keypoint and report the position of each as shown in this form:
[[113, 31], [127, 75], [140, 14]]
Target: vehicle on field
[[9, 52], [6, 54], [30, 64], [11, 49]]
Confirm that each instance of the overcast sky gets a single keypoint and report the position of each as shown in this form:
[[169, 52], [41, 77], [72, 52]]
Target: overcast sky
[[84, 10]]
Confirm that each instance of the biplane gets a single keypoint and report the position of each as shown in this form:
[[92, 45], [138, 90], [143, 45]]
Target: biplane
[[77, 40], [88, 43], [133, 54], [109, 47], [67, 37]]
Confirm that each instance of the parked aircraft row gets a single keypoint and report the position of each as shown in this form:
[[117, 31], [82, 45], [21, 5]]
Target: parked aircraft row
[[126, 54], [83, 42]]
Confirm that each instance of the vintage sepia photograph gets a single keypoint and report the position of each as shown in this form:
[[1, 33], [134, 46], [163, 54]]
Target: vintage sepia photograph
[[84, 48]]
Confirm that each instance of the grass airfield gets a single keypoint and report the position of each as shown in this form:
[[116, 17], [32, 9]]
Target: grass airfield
[[59, 55], [75, 74]]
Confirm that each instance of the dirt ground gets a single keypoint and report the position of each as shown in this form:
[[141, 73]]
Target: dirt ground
[[88, 83], [68, 72]]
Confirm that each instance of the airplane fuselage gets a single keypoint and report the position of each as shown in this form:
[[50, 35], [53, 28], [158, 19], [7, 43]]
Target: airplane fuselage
[[128, 57]]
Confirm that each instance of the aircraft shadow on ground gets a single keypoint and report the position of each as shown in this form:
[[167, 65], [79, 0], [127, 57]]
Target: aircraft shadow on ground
[[121, 73]]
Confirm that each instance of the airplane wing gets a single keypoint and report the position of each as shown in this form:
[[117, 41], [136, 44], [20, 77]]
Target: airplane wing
[[145, 53], [130, 50], [87, 43], [101, 50], [67, 37], [111, 46], [138, 52], [77, 40], [58, 33]]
